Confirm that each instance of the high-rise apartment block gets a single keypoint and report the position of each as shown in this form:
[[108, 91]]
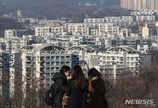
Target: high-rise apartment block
[[139, 4], [7, 73], [42, 62]]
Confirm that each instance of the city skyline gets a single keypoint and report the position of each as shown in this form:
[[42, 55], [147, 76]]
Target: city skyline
[[119, 40]]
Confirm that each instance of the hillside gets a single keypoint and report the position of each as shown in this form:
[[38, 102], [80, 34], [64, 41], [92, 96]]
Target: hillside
[[51, 8]]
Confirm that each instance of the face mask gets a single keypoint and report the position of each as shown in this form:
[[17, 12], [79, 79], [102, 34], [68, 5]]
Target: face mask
[[69, 77]]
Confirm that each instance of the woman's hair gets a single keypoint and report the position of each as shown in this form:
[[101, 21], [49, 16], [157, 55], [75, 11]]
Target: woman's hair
[[78, 79], [64, 69], [93, 73]]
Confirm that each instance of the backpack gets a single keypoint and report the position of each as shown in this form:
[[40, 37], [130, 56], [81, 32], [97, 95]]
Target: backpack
[[49, 96]]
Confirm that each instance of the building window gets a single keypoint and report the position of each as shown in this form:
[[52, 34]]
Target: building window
[[47, 68], [47, 57]]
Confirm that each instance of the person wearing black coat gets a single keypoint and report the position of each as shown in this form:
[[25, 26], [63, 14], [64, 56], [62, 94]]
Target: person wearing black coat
[[77, 89], [99, 90], [60, 85]]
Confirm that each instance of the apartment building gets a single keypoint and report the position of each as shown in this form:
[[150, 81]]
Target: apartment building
[[148, 31], [116, 59], [80, 55], [94, 20], [50, 21], [105, 27], [78, 29], [42, 62], [121, 21], [144, 12], [49, 30], [146, 18], [7, 74], [13, 44], [15, 33], [139, 4]]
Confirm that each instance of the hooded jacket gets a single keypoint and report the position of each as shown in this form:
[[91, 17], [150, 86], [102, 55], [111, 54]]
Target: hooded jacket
[[98, 97], [60, 86]]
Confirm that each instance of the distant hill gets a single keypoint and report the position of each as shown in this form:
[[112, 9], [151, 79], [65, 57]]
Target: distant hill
[[51, 8]]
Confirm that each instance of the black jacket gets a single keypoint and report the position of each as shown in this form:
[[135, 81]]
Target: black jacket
[[78, 98], [60, 87], [98, 98]]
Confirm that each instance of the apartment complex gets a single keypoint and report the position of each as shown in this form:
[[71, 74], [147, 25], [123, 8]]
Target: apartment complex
[[111, 44], [139, 4]]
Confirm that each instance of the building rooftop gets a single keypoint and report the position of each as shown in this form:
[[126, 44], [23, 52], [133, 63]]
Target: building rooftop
[[123, 48]]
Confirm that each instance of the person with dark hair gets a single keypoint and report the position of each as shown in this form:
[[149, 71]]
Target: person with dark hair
[[60, 85], [97, 90], [77, 89]]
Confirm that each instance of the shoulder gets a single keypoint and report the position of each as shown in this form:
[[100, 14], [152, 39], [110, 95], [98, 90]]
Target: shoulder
[[98, 82], [59, 79], [59, 76]]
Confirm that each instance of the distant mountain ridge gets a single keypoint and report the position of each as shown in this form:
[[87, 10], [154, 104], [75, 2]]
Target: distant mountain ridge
[[49, 7]]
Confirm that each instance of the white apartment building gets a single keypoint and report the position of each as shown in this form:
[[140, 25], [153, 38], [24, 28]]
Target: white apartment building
[[94, 31], [144, 12], [145, 32], [13, 44], [108, 28], [112, 18], [124, 33], [149, 31], [139, 4], [7, 71], [114, 59], [127, 18], [42, 62], [117, 59], [112, 62], [146, 18], [105, 27], [85, 29], [117, 21], [48, 30], [78, 29], [143, 48], [94, 20], [120, 21], [15, 33]]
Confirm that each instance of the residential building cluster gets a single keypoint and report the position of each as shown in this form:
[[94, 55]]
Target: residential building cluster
[[109, 44], [139, 4]]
